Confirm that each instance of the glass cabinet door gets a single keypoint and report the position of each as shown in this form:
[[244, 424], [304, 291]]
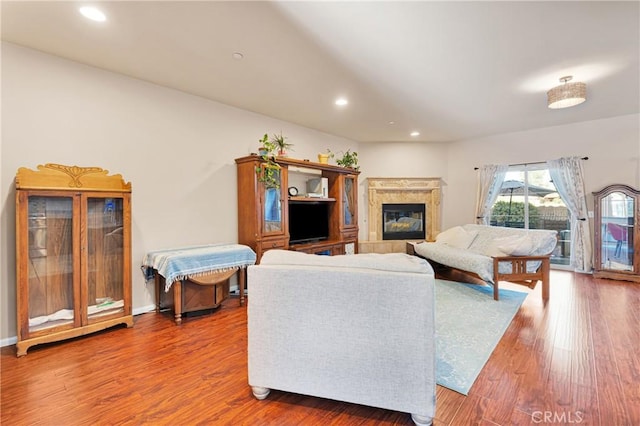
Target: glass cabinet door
[[272, 213], [104, 256], [50, 262], [616, 228], [349, 202]]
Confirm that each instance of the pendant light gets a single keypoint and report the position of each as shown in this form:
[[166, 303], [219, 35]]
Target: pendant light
[[567, 94]]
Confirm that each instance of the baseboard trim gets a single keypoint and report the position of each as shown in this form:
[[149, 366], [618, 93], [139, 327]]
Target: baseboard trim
[[143, 309], [8, 341], [136, 311]]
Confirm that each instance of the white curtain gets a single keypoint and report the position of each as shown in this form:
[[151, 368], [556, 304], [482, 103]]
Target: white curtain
[[490, 179], [567, 176]]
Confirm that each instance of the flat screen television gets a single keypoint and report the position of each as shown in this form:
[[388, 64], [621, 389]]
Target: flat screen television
[[308, 221]]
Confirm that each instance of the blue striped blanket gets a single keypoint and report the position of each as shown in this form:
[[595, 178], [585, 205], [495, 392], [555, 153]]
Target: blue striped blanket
[[178, 264]]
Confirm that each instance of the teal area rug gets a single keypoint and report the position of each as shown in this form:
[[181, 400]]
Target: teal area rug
[[469, 325]]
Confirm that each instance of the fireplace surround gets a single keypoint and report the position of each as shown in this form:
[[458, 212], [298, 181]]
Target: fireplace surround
[[426, 191]]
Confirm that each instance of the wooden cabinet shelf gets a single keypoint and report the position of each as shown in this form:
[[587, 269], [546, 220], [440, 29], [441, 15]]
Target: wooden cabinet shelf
[[265, 214], [73, 253], [312, 199]]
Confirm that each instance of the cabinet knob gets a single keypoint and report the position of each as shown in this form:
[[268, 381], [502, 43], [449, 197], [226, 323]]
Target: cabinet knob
[[274, 244]]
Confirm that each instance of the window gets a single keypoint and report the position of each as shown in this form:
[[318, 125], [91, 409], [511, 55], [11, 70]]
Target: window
[[528, 199]]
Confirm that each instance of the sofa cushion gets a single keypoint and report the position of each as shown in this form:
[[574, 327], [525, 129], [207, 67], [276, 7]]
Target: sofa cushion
[[457, 237], [465, 260]]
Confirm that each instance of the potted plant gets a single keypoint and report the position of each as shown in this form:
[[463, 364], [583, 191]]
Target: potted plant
[[323, 157], [349, 159], [266, 146], [268, 171], [281, 144]]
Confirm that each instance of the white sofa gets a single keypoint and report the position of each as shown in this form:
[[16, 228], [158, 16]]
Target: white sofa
[[354, 328], [493, 254]]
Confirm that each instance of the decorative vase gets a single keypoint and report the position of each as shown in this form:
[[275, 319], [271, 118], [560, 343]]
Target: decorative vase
[[323, 158]]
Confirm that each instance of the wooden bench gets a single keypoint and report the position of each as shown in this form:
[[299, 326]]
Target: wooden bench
[[197, 293], [196, 278]]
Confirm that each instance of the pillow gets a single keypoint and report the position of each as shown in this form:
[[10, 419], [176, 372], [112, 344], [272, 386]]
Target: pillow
[[515, 245], [457, 237]]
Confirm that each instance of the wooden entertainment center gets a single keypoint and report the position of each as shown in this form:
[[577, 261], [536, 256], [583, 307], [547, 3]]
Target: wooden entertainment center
[[264, 213]]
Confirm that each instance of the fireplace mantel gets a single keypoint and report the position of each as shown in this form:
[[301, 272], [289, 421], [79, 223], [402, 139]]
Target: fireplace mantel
[[404, 190]]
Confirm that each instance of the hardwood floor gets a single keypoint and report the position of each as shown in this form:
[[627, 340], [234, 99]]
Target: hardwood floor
[[574, 361]]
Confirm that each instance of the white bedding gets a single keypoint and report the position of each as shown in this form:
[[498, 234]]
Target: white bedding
[[488, 241]]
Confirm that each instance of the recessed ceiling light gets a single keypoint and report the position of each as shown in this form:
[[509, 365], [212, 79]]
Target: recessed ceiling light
[[93, 13], [391, 123], [414, 134], [237, 56], [341, 101]]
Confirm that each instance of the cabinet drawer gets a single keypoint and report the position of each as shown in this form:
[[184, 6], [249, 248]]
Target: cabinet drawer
[[350, 236], [273, 244], [326, 248]]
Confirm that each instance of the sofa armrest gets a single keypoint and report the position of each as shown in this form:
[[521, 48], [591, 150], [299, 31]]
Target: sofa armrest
[[410, 248], [519, 273]]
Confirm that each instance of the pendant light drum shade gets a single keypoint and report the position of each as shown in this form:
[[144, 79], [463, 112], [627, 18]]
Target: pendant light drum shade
[[567, 94]]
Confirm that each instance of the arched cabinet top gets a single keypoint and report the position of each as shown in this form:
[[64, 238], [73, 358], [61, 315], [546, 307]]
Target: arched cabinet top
[[52, 176], [616, 188]]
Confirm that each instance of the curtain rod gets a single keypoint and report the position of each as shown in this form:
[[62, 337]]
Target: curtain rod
[[527, 164]]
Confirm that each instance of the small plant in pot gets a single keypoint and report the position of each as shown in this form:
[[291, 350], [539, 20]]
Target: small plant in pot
[[268, 171], [280, 142], [266, 147], [349, 159], [323, 157]]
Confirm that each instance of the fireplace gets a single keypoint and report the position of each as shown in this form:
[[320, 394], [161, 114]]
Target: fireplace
[[406, 190], [403, 221]]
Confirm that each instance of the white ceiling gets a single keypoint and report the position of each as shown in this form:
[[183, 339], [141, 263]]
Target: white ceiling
[[451, 70]]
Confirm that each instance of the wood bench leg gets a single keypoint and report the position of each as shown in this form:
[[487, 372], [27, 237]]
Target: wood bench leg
[[546, 266], [242, 279], [157, 281], [177, 301]]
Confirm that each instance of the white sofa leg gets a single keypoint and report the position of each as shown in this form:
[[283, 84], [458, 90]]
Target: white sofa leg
[[259, 392], [421, 420]]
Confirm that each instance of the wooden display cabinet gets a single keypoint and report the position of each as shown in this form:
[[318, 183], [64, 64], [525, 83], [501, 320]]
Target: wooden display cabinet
[[264, 213], [617, 233], [262, 220], [73, 253]]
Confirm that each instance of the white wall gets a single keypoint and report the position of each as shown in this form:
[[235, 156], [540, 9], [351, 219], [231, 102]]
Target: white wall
[[399, 159], [612, 145], [177, 150]]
